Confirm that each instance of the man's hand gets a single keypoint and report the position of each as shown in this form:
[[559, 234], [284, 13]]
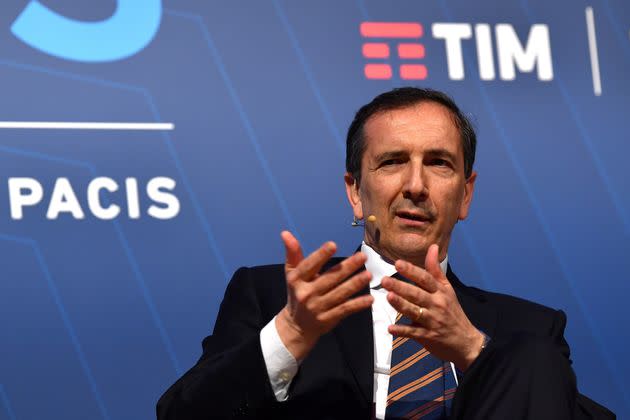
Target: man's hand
[[317, 302], [439, 322]]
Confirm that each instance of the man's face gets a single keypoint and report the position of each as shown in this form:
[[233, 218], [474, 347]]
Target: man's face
[[412, 180]]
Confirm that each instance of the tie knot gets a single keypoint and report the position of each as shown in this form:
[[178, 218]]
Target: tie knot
[[400, 277], [396, 276]]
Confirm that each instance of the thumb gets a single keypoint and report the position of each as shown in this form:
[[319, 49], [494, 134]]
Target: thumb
[[293, 250], [432, 263]]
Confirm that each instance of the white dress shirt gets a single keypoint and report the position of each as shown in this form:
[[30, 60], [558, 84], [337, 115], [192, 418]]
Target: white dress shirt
[[282, 366]]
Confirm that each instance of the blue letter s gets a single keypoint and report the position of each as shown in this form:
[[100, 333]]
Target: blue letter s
[[132, 26]]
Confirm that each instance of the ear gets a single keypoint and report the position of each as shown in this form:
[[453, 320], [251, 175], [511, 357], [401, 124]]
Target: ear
[[352, 191], [469, 188]]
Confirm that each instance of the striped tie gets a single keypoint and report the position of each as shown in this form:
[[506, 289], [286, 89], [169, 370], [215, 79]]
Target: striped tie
[[421, 386]]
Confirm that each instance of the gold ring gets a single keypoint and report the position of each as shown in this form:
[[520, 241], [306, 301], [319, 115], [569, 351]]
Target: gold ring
[[419, 317]]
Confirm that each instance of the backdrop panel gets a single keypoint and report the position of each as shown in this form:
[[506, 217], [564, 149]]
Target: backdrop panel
[[223, 122]]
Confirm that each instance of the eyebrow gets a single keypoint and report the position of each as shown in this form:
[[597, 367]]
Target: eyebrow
[[390, 155], [394, 154], [442, 153]]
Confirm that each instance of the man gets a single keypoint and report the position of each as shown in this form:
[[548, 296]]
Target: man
[[300, 341]]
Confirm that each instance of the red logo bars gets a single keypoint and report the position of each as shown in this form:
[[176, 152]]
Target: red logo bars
[[381, 50]]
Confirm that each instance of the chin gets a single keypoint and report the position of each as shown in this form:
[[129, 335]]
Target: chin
[[412, 246]]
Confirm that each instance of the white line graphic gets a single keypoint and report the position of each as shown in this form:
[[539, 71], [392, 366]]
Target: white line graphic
[[592, 49], [60, 125]]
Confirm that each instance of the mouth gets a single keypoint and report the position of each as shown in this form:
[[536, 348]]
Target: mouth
[[413, 218]]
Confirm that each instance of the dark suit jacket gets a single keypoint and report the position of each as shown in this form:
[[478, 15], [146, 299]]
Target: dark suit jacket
[[335, 381]]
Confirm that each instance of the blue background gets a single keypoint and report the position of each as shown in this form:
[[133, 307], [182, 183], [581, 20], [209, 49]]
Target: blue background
[[98, 318]]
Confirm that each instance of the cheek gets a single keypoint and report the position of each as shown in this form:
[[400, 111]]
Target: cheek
[[451, 203], [378, 196]]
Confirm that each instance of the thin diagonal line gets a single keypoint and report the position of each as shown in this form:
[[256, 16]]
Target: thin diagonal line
[[587, 142], [73, 76], [403, 364], [417, 386], [426, 408], [601, 169], [431, 406], [429, 377], [148, 299], [408, 362], [7, 404], [523, 179], [125, 245], [147, 96], [203, 220], [138, 276], [363, 10], [472, 249], [399, 342], [43, 156], [238, 105], [620, 34], [309, 75], [52, 288]]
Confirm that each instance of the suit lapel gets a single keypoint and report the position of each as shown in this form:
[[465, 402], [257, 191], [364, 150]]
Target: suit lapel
[[355, 337], [474, 304]]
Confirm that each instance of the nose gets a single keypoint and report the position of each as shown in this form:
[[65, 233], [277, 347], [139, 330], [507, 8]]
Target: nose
[[415, 187]]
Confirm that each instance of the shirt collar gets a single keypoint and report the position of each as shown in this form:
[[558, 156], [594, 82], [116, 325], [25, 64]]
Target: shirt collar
[[379, 267]]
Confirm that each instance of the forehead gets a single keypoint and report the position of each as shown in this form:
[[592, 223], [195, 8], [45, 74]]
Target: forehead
[[427, 125]]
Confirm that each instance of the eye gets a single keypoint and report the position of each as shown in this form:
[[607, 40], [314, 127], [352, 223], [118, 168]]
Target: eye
[[440, 162], [390, 162]]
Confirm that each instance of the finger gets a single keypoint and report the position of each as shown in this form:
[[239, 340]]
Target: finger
[[432, 263], [411, 331], [345, 290], [293, 249], [340, 272], [418, 314], [418, 275], [346, 309], [310, 266], [412, 293]]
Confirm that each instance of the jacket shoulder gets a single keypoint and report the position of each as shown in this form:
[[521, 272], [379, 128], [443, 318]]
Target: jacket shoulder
[[520, 314], [503, 299]]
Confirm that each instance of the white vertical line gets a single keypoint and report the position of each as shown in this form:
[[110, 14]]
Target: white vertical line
[[592, 49]]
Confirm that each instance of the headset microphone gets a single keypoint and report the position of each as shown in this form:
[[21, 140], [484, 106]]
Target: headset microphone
[[371, 219]]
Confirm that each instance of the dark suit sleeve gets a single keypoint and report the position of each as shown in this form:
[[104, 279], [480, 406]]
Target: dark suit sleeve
[[557, 334], [230, 379], [586, 408]]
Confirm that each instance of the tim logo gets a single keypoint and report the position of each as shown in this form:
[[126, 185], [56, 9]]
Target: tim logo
[[403, 36], [512, 54]]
